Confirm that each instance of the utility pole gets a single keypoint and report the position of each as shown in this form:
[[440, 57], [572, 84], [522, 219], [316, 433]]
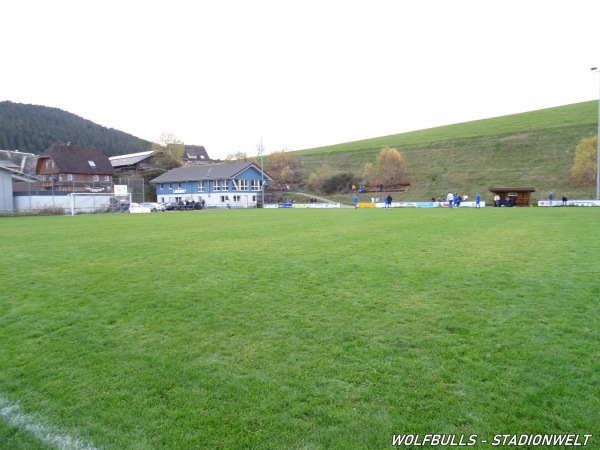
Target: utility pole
[[262, 173], [595, 69]]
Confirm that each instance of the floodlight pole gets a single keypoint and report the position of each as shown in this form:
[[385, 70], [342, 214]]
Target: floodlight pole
[[262, 174], [595, 69]]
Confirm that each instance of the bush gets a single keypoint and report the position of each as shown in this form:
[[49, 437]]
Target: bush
[[50, 210], [339, 183]]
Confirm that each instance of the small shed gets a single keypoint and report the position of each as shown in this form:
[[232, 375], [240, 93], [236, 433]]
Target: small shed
[[510, 196]]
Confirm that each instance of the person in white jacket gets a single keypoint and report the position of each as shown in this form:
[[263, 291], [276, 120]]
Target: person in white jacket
[[450, 198]]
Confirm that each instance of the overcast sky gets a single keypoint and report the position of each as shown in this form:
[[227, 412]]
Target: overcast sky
[[298, 73]]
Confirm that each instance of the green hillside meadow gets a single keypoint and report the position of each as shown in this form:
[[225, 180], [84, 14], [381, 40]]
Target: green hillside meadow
[[533, 149], [298, 328]]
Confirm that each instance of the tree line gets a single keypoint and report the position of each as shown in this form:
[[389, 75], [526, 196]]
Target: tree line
[[390, 169], [34, 128]]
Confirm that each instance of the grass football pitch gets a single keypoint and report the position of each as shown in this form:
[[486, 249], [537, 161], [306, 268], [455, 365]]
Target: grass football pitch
[[303, 329]]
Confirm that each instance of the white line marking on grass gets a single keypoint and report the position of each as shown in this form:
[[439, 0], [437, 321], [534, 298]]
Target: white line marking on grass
[[50, 435]]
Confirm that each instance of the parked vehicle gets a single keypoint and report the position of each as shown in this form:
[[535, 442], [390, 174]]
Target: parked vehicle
[[154, 207], [150, 206], [183, 206], [136, 208], [171, 206]]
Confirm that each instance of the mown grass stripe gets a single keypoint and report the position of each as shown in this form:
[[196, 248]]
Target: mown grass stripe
[[50, 435]]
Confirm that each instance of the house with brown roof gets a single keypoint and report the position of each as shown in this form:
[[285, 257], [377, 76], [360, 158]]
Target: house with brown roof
[[195, 154], [66, 167]]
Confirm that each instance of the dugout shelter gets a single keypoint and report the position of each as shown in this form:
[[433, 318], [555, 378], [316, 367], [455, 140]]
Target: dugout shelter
[[518, 196]]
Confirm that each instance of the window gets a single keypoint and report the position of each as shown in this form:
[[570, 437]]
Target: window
[[200, 186], [224, 185], [53, 165], [224, 198], [47, 164], [69, 177], [92, 163], [96, 177], [170, 185], [237, 198], [217, 185], [106, 177], [60, 177], [243, 185], [256, 185], [179, 185]]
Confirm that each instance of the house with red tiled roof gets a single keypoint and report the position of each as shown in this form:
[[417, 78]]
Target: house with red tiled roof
[[66, 167]]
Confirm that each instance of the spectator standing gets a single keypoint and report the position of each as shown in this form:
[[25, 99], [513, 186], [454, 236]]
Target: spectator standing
[[388, 201], [477, 200], [497, 200], [550, 197], [564, 200], [450, 198]]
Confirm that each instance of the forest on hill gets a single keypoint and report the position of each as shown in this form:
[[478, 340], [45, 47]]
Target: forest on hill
[[34, 128]]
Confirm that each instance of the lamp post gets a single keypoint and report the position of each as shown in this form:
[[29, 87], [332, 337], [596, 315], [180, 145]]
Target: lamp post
[[595, 69], [262, 174]]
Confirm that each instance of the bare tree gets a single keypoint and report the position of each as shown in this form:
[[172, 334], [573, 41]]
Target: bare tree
[[168, 150]]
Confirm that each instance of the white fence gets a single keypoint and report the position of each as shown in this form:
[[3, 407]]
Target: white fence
[[569, 203], [68, 203]]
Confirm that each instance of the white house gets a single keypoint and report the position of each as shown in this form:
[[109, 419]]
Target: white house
[[237, 185]]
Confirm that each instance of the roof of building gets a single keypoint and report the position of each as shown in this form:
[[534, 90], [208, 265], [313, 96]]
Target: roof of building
[[130, 159], [72, 159], [8, 164], [512, 189], [25, 162], [210, 172], [14, 171], [195, 153]]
